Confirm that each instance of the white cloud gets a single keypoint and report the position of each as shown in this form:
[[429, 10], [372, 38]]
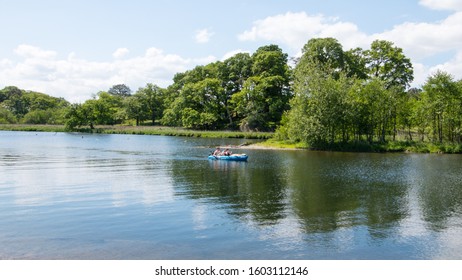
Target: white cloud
[[76, 79], [28, 51], [423, 39], [203, 36], [453, 66], [420, 40], [442, 4], [295, 29], [120, 52]]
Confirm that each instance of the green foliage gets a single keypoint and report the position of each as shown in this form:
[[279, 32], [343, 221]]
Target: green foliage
[[247, 91], [48, 116], [332, 99], [440, 108], [319, 110], [104, 109], [323, 54], [120, 90], [389, 64], [348, 97], [6, 116], [30, 107]]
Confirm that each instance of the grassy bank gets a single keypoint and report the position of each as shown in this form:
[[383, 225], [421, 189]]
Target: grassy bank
[[141, 130], [387, 147], [33, 127], [390, 146]]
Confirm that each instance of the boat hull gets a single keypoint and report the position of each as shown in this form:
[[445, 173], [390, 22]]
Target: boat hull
[[240, 157]]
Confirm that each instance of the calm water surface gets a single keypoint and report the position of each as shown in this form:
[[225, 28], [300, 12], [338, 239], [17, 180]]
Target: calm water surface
[[81, 196]]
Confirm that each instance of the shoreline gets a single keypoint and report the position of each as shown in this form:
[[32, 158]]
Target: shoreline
[[141, 130], [267, 142]]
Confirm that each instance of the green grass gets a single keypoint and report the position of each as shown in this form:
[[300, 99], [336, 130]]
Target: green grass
[[33, 127], [358, 146], [376, 147], [276, 144], [142, 130], [172, 131]]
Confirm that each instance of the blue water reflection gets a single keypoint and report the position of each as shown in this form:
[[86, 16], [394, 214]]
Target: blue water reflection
[[83, 196]]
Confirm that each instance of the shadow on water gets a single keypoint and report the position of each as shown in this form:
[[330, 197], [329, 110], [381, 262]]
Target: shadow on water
[[326, 191], [332, 190], [131, 195], [439, 190], [245, 192]]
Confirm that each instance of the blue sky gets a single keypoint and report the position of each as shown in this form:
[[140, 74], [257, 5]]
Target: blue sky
[[74, 49]]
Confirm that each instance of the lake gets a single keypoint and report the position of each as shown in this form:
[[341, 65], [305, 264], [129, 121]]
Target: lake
[[92, 196]]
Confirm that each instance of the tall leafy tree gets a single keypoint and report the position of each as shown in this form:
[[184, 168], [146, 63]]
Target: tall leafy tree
[[33, 107], [135, 108], [152, 97], [120, 90], [197, 99], [348, 95], [441, 104], [233, 73], [325, 54], [266, 94], [13, 100], [104, 109], [355, 63], [388, 63], [317, 114]]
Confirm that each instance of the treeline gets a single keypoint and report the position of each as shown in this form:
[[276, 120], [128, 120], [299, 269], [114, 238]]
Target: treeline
[[20, 106], [246, 92], [362, 96], [329, 96], [249, 92]]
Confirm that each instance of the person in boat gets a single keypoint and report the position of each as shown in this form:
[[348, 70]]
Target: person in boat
[[217, 152], [227, 152]]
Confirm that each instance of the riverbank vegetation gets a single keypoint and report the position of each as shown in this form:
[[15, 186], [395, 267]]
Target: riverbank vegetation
[[141, 130], [328, 99], [340, 104]]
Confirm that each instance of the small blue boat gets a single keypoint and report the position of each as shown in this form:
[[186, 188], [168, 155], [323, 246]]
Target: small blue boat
[[236, 157]]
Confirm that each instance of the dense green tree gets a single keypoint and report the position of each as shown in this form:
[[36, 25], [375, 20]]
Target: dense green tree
[[331, 96], [233, 73], [135, 108], [6, 116], [384, 72], [46, 116], [324, 54], [317, 114], [251, 91], [32, 107], [265, 95], [371, 110], [79, 115], [441, 106], [152, 96], [319, 110], [388, 63], [195, 99], [270, 61], [120, 90], [355, 63], [15, 102], [262, 101], [202, 106], [355, 95], [9, 92], [104, 109]]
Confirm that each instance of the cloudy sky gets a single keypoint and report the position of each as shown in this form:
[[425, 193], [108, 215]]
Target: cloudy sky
[[74, 49]]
